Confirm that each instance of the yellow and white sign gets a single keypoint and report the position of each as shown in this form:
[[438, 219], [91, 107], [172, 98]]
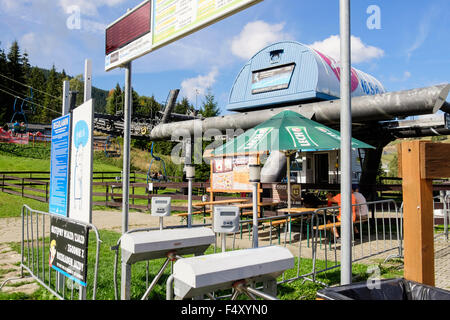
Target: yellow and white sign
[[170, 20], [173, 19]]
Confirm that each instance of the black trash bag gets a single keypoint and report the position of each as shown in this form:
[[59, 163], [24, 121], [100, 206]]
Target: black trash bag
[[390, 289]]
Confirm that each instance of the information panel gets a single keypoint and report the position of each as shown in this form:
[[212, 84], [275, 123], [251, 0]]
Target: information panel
[[69, 249], [130, 36], [80, 205], [272, 79], [232, 173], [59, 166], [133, 26], [173, 19]]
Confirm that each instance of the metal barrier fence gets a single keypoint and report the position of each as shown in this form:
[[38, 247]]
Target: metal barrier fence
[[444, 201], [35, 246], [309, 235], [313, 236]]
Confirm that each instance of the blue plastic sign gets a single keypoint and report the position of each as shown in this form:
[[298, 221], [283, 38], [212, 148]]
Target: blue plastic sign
[[81, 134], [59, 166]]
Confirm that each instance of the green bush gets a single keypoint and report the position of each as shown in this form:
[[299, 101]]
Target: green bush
[[38, 151]]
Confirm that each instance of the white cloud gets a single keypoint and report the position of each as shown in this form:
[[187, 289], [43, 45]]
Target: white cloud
[[13, 5], [361, 52], [406, 75], [198, 86], [255, 36], [87, 7], [424, 30]]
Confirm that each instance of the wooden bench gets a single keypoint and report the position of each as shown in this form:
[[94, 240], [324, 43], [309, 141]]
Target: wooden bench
[[332, 225], [327, 226], [336, 224], [276, 224], [184, 215]]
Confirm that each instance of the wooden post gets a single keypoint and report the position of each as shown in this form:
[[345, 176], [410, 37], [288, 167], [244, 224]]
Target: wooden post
[[421, 161]]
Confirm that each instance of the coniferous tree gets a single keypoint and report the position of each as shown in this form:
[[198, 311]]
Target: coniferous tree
[[3, 86], [15, 73], [37, 81], [183, 107], [52, 99], [210, 107], [114, 102]]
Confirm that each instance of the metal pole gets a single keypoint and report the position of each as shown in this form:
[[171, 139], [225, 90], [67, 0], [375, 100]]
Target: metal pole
[[288, 171], [155, 280], [66, 98], [255, 215], [346, 151], [188, 162], [126, 148], [87, 80], [190, 203], [224, 242]]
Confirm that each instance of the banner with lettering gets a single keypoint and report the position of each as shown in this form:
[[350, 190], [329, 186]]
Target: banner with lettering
[[69, 249]]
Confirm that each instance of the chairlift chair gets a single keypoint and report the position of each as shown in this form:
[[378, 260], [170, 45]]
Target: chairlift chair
[[149, 173], [115, 152], [22, 112]]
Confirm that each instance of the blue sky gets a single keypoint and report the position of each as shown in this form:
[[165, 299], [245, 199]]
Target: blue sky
[[410, 50]]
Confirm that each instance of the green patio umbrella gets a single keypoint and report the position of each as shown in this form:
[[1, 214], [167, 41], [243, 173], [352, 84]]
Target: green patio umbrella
[[288, 132]]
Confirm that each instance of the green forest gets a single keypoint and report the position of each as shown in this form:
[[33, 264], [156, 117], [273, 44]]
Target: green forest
[[38, 93]]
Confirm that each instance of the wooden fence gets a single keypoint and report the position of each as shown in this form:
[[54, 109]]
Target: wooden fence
[[107, 189]]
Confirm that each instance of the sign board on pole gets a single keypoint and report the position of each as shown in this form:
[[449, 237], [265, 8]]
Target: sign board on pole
[[59, 166], [69, 249], [156, 23], [173, 20], [129, 37], [80, 204]]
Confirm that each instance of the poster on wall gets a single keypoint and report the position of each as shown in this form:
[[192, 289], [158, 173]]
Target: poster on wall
[[59, 166], [279, 193], [69, 249], [80, 204], [232, 173]]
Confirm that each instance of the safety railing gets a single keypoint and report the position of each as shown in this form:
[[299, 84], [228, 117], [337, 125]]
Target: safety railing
[[441, 215], [313, 236], [35, 249]]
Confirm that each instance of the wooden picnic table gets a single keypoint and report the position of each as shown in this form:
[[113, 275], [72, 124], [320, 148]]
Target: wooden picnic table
[[296, 210], [306, 211], [260, 205], [212, 203]]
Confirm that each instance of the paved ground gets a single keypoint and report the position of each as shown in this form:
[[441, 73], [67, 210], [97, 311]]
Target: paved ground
[[11, 228]]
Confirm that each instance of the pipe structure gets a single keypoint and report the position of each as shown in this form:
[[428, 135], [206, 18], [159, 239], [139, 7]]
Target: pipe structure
[[446, 107], [171, 101], [381, 107]]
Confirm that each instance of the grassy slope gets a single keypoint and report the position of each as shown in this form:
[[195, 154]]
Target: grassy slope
[[10, 205]]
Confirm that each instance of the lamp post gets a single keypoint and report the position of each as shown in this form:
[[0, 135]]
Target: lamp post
[[346, 151], [190, 175], [255, 178]]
